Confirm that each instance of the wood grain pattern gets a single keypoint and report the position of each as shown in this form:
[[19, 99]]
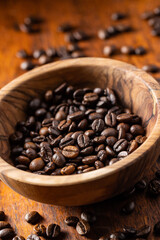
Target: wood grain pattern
[[90, 17]]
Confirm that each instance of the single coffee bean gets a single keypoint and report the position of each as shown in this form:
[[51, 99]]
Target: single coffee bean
[[98, 125], [39, 229], [18, 238], [120, 145], [150, 68], [90, 97], [124, 117], [157, 228], [143, 232], [89, 159], [88, 216], [76, 116], [102, 155], [140, 139], [43, 131], [83, 228], [122, 154], [110, 119], [22, 167], [27, 65], [98, 164], [117, 16], [89, 133], [30, 145], [133, 146], [154, 187], [7, 233], [87, 151], [109, 132], [121, 133], [110, 151], [32, 217], [114, 160], [128, 208], [83, 124], [59, 159], [140, 50], [33, 237], [71, 221], [83, 141], [99, 140], [31, 153], [93, 116], [70, 151], [22, 54], [2, 216], [103, 34], [130, 232], [4, 224], [127, 50], [137, 130], [109, 50], [111, 141], [64, 125], [56, 172], [88, 169], [36, 164], [128, 136], [67, 170], [53, 230]]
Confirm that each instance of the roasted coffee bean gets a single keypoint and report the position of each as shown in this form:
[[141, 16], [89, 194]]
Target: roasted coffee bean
[[111, 141], [140, 139], [143, 232], [80, 35], [150, 68], [128, 208], [102, 155], [154, 187], [88, 216], [17, 150], [121, 133], [88, 169], [117, 16], [71, 221], [123, 125], [33, 237], [22, 167], [89, 133], [124, 117], [120, 145], [32, 217], [82, 167], [30, 145], [36, 164], [18, 238], [76, 116], [23, 160], [64, 125], [109, 132], [65, 27], [110, 151], [147, 15], [53, 230], [90, 97], [4, 224], [89, 159], [56, 172], [109, 50], [94, 116], [127, 50], [114, 160], [128, 136], [7, 233], [83, 228], [59, 159], [122, 154], [137, 130], [157, 228], [141, 185], [37, 53], [98, 125], [83, 141], [2, 216], [129, 232], [83, 124], [87, 151], [98, 164], [99, 140], [39, 229], [70, 151], [22, 54], [110, 120], [133, 146], [67, 170], [103, 34], [27, 65], [140, 50], [31, 153], [99, 147], [48, 169]]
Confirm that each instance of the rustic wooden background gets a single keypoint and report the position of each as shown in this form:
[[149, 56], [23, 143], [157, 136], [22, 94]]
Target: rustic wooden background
[[88, 15]]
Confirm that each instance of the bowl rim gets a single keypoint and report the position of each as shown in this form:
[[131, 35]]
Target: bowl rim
[[11, 172]]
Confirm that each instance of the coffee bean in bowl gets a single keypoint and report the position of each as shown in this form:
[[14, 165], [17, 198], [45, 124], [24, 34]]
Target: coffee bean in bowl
[[134, 90], [81, 114]]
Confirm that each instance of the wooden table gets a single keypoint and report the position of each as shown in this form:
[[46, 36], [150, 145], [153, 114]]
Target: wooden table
[[88, 15]]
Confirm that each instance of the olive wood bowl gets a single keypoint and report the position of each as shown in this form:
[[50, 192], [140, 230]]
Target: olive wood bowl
[[137, 91]]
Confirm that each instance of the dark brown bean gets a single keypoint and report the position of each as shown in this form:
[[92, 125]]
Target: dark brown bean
[[39, 229], [109, 50], [32, 217], [109, 132], [120, 145], [7, 233], [76, 116], [90, 97], [23, 160], [71, 221], [83, 141], [124, 117], [110, 151], [30, 145], [87, 151], [114, 160], [36, 164], [140, 139], [67, 170], [4, 224], [89, 159], [111, 141], [102, 155], [121, 133], [137, 130], [98, 125], [133, 146], [59, 159], [70, 151], [99, 140], [143, 231], [53, 230], [88, 216], [128, 208], [110, 119], [98, 164], [83, 228]]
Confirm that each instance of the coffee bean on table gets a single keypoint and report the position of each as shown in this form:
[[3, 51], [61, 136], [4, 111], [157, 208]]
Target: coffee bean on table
[[143, 231], [4, 224], [150, 68], [83, 228], [18, 238], [129, 232], [53, 230], [71, 221], [33, 217], [154, 187], [88, 216], [39, 229], [128, 208], [140, 50], [33, 237], [2, 216], [141, 185], [7, 233], [127, 50], [109, 50], [27, 65], [64, 27], [22, 54]]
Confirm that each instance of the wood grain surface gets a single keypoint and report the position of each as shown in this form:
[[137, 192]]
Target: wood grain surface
[[88, 15]]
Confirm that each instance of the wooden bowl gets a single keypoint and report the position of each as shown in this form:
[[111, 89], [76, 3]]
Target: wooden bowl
[[137, 90]]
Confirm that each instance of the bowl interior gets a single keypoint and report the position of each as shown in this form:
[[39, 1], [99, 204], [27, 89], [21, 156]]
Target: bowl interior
[[130, 87]]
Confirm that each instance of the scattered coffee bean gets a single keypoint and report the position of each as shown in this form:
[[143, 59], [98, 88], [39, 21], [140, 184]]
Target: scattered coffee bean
[[22, 54], [83, 228], [27, 65], [141, 185], [39, 229], [150, 68], [71, 221], [140, 50], [129, 232], [127, 50], [117, 16], [154, 187], [32, 217], [53, 230], [128, 208], [65, 27], [7, 233], [143, 232], [109, 50]]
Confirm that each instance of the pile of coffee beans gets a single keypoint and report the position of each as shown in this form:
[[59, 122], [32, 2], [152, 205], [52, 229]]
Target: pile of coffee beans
[[73, 131], [153, 18], [110, 50]]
